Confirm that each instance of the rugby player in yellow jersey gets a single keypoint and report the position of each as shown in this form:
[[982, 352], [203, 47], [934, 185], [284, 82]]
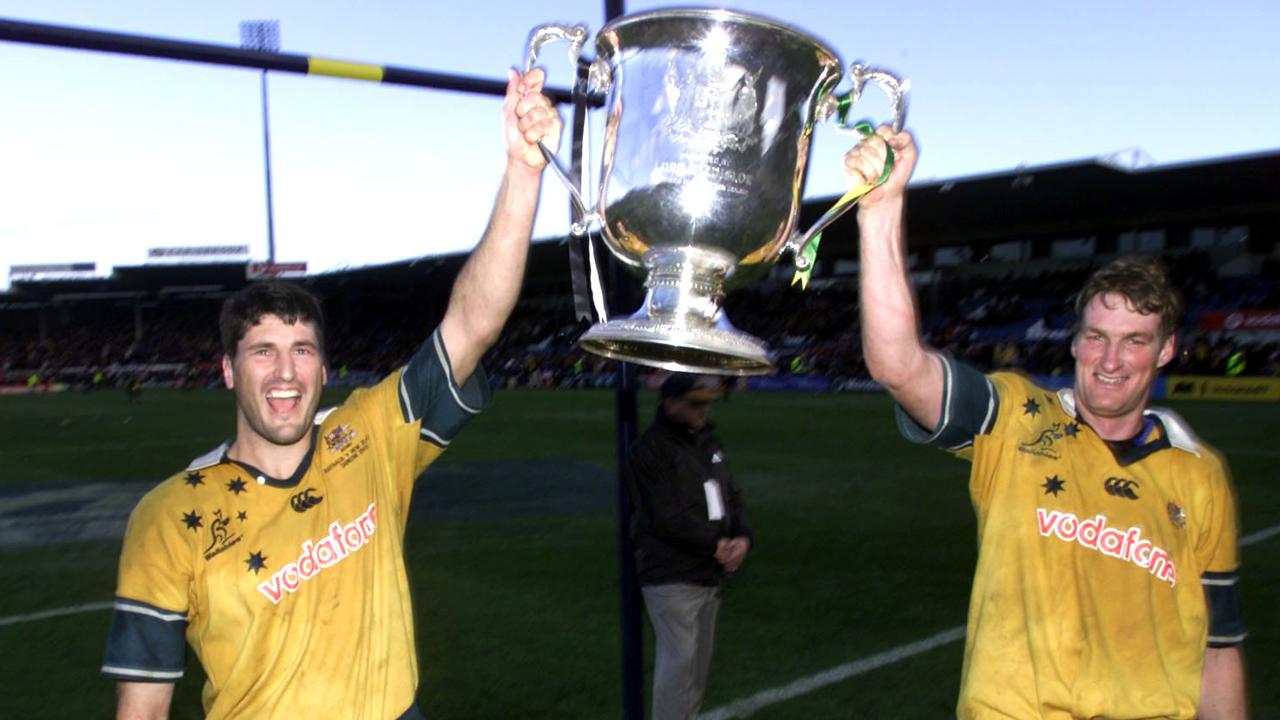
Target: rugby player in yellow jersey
[[278, 557], [1107, 563]]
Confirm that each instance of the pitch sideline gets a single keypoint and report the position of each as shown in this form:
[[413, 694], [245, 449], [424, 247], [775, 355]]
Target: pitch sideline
[[745, 707], [56, 612], [748, 706]]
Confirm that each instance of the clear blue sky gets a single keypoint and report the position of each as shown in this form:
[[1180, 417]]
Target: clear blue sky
[[103, 156]]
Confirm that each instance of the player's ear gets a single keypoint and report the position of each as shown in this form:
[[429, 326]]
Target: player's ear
[[1166, 350], [228, 376]]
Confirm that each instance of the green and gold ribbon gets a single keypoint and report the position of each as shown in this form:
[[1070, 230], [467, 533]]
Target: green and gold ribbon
[[810, 251]]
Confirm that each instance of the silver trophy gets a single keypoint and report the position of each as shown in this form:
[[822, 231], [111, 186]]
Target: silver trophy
[[710, 114]]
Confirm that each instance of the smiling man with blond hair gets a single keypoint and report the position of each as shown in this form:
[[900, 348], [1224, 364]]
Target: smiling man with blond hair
[[1108, 553]]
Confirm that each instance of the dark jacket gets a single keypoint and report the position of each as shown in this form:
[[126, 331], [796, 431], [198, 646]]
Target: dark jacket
[[664, 474]]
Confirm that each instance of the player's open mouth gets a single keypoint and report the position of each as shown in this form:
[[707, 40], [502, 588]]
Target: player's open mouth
[[283, 401], [1108, 379]]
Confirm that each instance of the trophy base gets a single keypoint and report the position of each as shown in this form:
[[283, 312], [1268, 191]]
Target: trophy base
[[711, 350], [681, 325]]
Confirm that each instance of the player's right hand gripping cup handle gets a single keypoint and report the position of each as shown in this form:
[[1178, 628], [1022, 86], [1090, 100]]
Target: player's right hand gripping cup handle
[[576, 35]]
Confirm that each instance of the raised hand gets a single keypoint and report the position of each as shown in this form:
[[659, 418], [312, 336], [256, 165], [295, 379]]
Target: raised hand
[[529, 117]]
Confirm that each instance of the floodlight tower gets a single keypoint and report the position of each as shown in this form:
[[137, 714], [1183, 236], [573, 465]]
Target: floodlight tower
[[264, 36]]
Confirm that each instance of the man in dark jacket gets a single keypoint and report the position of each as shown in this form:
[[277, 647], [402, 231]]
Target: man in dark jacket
[[690, 531]]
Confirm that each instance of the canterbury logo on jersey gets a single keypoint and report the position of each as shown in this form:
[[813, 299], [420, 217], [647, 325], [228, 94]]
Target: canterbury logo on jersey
[[1122, 487], [329, 550], [1094, 534], [304, 500]]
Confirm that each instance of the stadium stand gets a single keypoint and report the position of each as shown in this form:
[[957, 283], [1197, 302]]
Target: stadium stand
[[993, 257]]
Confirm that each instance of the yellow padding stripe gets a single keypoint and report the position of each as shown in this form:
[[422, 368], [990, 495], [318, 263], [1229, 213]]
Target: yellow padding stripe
[[338, 68]]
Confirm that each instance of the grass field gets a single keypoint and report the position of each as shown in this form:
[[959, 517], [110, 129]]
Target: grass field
[[864, 544]]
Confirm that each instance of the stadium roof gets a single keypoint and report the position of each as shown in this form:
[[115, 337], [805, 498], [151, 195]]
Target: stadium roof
[[1082, 199], [1073, 200]]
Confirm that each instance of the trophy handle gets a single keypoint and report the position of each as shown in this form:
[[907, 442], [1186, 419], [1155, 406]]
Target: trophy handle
[[895, 88], [543, 34], [576, 35], [805, 246]]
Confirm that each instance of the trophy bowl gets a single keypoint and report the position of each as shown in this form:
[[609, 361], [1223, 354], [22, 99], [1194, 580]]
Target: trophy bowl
[[709, 120]]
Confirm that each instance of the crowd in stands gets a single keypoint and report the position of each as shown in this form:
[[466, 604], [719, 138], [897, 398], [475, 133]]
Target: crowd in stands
[[1007, 321]]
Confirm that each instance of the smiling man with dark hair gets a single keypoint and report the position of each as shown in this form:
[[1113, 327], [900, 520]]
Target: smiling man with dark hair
[[279, 556]]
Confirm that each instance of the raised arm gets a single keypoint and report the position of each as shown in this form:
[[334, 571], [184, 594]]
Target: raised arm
[[895, 354], [487, 286]]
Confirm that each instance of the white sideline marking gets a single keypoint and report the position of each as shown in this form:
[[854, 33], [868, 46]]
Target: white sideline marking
[[746, 707], [56, 612], [1259, 536]]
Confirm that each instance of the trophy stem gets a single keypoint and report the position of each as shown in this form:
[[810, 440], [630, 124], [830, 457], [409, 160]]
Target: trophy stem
[[681, 325]]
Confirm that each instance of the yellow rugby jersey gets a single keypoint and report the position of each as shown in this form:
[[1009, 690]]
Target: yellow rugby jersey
[[292, 592], [1099, 565]]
